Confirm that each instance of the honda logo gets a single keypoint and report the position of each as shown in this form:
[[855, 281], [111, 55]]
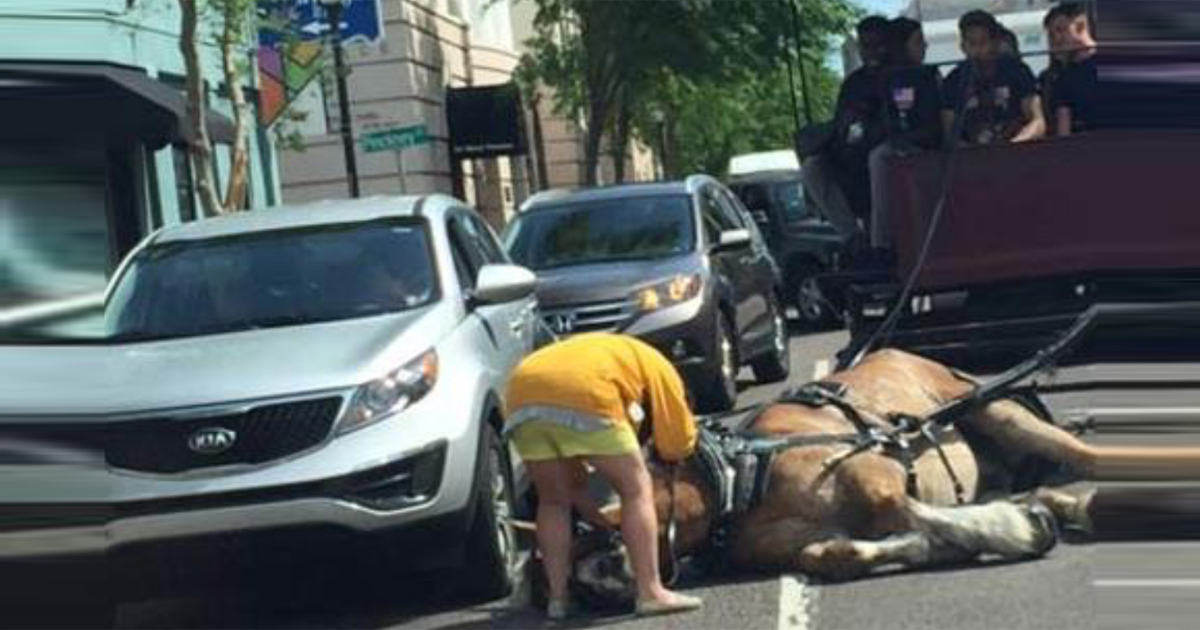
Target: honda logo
[[212, 440], [562, 324]]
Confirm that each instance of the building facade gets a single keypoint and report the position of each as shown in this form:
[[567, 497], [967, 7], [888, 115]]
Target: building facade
[[401, 82], [93, 147]]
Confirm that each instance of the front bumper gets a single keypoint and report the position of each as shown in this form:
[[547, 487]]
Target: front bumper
[[391, 497]]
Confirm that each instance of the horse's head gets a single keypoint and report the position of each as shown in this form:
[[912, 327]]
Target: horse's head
[[682, 501]]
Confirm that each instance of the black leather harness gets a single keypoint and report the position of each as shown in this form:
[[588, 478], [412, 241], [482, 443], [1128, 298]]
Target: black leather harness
[[736, 462]]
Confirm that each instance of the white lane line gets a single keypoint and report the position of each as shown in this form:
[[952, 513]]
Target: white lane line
[[821, 369], [1147, 583], [793, 603]]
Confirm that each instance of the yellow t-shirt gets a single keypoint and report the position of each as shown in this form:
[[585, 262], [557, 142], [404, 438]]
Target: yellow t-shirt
[[595, 378]]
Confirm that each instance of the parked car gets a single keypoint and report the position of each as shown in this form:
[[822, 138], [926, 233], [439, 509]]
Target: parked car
[[678, 264], [334, 366], [806, 245]]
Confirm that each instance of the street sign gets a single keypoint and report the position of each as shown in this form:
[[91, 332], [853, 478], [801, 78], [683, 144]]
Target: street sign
[[395, 139], [362, 20]]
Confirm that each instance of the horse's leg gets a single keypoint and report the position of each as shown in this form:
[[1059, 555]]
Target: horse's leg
[[942, 536], [1018, 431]]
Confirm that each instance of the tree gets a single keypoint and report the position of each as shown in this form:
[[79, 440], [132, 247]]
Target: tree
[[229, 22], [611, 63]]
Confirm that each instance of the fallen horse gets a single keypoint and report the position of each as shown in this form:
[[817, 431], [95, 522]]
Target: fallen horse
[[898, 461]]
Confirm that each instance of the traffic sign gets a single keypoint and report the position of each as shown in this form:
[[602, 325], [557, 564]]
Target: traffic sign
[[362, 20], [395, 139]]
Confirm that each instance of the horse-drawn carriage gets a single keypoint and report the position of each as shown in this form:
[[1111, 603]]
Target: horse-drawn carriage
[[1002, 247]]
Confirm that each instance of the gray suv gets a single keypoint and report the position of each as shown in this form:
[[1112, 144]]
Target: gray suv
[[678, 264], [329, 368]]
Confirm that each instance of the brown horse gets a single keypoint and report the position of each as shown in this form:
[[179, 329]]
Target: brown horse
[[837, 517]]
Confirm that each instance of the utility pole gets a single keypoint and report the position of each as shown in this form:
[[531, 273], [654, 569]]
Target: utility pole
[[808, 115], [334, 12]]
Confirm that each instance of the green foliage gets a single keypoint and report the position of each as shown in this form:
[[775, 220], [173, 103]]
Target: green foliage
[[713, 70]]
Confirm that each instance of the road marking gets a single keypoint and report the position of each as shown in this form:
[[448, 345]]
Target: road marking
[[1147, 583], [793, 603], [821, 369]]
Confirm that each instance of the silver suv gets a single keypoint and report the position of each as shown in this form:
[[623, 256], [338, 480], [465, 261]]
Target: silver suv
[[335, 365]]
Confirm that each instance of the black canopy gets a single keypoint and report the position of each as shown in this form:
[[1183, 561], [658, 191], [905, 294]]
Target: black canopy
[[95, 102]]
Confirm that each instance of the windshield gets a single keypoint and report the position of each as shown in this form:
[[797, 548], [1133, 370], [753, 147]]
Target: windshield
[[786, 198], [633, 228], [278, 278]]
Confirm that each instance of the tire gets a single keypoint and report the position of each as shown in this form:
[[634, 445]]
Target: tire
[[812, 307], [492, 549], [775, 365], [719, 390]]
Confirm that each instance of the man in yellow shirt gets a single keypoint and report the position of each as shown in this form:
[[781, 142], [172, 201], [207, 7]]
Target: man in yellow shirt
[[573, 402]]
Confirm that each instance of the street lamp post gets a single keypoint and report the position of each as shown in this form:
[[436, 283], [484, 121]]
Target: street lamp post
[[334, 10], [660, 120]]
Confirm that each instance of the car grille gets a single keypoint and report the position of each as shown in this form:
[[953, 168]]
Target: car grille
[[167, 445], [594, 317]]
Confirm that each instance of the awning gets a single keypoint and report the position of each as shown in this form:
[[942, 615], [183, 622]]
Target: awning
[[62, 102]]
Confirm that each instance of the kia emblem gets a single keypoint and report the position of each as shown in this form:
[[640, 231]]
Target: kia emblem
[[212, 440]]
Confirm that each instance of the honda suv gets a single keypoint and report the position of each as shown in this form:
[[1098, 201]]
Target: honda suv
[[678, 264], [330, 367]]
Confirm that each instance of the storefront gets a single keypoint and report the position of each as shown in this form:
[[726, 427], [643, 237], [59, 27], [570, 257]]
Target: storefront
[[93, 153]]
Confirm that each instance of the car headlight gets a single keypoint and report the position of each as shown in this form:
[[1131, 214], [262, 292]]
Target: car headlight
[[678, 289], [393, 393]]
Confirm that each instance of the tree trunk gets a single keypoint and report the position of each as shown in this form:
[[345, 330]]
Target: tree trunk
[[597, 117], [620, 143], [201, 147], [239, 172]]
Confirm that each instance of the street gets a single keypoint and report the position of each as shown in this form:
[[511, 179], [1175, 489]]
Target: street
[[1104, 585]]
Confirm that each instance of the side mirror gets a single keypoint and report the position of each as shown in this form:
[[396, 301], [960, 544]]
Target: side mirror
[[733, 239], [760, 217], [498, 284]]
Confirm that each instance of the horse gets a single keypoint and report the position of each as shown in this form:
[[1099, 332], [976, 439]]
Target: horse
[[838, 509]]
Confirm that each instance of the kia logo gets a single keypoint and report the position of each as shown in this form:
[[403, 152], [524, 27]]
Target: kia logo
[[562, 324], [212, 440]]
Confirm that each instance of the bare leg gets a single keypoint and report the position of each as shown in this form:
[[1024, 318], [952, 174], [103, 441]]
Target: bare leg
[[551, 479], [639, 523]]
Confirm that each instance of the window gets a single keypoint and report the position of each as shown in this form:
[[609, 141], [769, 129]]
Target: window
[[57, 237], [185, 188], [715, 218], [468, 255], [485, 240], [274, 278]]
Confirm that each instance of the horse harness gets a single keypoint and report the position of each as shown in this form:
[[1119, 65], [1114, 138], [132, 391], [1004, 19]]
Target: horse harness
[[736, 463]]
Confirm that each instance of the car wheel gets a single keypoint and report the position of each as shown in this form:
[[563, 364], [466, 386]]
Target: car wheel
[[811, 305], [775, 365], [720, 390], [492, 549]]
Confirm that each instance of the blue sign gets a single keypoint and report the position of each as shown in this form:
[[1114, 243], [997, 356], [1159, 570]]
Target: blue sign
[[361, 21]]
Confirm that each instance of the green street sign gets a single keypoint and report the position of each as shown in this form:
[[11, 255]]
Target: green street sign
[[395, 139]]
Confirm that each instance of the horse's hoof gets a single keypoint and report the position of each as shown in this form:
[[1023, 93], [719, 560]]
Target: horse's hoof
[[1045, 526], [834, 561]]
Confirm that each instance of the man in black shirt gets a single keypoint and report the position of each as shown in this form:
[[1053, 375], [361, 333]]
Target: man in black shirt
[[1072, 97], [837, 180], [996, 96], [913, 105]]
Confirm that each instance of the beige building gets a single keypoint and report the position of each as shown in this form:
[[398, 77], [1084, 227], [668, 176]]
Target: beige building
[[401, 82]]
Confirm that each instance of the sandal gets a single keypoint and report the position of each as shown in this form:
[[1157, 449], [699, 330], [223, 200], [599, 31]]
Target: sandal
[[558, 609], [681, 603]]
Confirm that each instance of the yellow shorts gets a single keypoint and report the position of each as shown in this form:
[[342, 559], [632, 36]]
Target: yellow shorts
[[539, 440]]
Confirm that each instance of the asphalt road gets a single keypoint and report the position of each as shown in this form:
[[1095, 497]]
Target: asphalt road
[[1102, 585]]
